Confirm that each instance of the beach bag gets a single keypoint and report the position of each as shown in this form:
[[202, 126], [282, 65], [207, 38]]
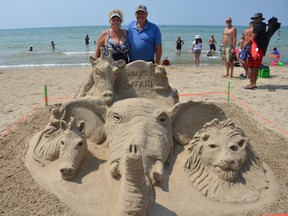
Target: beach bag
[[254, 51], [245, 53], [273, 26], [232, 55]]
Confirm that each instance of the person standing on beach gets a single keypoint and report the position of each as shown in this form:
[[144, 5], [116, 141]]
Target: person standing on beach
[[258, 36], [196, 49], [145, 38], [53, 45], [229, 44], [246, 35], [179, 44], [115, 37], [212, 43]]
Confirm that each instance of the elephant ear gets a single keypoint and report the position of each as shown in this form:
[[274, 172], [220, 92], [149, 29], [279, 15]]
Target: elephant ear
[[188, 117], [92, 111]]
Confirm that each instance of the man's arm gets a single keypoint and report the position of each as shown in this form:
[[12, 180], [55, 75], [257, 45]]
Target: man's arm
[[158, 53], [234, 37], [249, 41]]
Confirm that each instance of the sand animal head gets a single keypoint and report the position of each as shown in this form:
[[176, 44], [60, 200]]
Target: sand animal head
[[223, 165], [55, 108], [160, 71], [105, 71], [73, 149], [141, 122]]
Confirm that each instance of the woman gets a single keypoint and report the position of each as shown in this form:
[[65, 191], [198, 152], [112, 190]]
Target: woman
[[115, 38], [196, 49]]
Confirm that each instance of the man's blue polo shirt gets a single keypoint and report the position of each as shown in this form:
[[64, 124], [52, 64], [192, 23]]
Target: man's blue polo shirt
[[142, 44]]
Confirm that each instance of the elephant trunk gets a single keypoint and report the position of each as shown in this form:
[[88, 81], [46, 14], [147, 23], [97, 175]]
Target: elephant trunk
[[136, 192]]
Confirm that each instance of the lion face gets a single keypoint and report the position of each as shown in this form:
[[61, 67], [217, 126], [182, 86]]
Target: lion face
[[223, 155], [223, 165]]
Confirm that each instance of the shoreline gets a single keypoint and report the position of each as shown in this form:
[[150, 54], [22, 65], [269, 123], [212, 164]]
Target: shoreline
[[83, 65]]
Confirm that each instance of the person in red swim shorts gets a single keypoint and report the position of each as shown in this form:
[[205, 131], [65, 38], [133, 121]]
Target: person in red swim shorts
[[258, 37]]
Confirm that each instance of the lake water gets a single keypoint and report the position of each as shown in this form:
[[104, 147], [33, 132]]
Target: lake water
[[71, 49]]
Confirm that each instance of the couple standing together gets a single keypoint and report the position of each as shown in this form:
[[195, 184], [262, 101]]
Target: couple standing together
[[141, 41]]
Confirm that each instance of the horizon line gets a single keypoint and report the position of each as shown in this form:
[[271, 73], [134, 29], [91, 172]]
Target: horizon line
[[159, 25]]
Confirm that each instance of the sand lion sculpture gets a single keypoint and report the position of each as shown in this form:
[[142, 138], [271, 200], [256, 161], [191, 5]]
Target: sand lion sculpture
[[126, 141]]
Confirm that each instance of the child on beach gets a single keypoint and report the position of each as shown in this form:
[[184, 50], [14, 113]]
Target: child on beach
[[166, 61], [275, 53]]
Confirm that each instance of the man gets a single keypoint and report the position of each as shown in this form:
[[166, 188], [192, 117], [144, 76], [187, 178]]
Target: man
[[87, 39], [145, 38], [229, 44], [246, 35], [258, 35], [212, 43]]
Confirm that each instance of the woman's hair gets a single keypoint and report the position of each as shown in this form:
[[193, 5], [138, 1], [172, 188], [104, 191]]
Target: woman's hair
[[199, 40], [118, 12]]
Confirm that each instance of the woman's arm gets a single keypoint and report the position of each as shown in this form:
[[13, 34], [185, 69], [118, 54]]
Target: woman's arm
[[100, 43]]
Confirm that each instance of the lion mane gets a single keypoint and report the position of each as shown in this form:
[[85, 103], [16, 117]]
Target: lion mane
[[223, 165]]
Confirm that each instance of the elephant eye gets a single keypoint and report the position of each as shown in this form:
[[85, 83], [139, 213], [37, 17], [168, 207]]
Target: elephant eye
[[116, 117], [62, 142], [80, 143], [163, 117]]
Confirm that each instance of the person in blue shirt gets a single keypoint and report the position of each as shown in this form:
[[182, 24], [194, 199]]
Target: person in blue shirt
[[145, 38], [275, 51]]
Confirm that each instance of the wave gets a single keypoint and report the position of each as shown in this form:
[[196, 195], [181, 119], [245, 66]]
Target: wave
[[44, 65], [79, 53]]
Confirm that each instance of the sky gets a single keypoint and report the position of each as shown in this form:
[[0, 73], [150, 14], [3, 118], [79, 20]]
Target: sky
[[59, 13]]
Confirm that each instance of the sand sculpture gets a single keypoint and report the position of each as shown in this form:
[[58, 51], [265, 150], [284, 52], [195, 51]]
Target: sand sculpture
[[223, 165], [136, 117]]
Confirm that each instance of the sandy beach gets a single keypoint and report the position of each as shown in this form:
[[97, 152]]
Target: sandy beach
[[261, 113]]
